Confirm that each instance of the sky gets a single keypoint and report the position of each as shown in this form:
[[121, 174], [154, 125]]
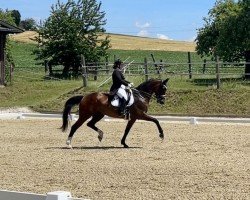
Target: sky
[[165, 19]]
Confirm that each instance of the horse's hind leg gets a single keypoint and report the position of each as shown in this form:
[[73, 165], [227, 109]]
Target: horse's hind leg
[[96, 117], [78, 123]]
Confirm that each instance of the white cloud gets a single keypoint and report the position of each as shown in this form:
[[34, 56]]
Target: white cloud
[[143, 33], [191, 39], [163, 37], [142, 26]]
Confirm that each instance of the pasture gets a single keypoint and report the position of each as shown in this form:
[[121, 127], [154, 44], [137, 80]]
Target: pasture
[[30, 88], [204, 161]]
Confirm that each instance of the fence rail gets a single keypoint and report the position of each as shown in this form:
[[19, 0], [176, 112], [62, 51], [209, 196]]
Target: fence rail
[[161, 118], [205, 71], [207, 68]]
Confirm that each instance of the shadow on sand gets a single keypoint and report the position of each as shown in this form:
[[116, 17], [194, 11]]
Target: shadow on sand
[[94, 148]]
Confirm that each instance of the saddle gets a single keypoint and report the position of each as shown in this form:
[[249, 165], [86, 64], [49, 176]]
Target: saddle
[[115, 100]]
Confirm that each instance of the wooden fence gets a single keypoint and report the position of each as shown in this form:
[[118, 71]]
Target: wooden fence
[[215, 69]]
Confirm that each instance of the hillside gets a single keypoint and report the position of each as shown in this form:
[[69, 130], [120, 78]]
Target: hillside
[[196, 96], [127, 42]]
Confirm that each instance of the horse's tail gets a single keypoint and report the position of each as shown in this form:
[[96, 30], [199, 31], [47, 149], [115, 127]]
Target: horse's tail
[[67, 108]]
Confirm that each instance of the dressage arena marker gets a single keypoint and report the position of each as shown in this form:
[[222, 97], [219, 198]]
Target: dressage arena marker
[[74, 117], [193, 120]]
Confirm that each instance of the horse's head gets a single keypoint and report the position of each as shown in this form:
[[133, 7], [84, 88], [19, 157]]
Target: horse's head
[[156, 87], [160, 91]]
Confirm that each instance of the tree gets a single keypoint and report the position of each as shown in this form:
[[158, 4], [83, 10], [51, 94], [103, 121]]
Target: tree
[[73, 28], [6, 16], [226, 32], [17, 16], [28, 24]]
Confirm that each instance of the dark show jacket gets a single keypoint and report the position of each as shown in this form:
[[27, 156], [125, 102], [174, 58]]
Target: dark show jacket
[[118, 80]]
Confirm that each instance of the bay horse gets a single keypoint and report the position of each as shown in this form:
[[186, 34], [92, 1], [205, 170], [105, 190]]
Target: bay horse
[[97, 105]]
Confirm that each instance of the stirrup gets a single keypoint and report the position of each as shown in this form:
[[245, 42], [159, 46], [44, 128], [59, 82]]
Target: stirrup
[[127, 114]]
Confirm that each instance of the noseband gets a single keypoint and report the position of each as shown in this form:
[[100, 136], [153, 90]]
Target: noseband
[[158, 97]]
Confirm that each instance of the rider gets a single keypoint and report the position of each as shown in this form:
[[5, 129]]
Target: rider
[[119, 85]]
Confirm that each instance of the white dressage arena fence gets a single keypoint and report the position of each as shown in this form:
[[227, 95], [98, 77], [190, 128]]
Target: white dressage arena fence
[[57, 195], [74, 117]]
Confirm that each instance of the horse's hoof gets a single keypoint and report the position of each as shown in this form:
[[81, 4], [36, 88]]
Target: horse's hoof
[[161, 136], [100, 135], [68, 143], [125, 146]]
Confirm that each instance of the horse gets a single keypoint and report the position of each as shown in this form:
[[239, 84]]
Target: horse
[[97, 105]]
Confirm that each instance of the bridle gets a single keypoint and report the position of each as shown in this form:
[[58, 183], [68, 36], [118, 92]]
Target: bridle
[[158, 97]]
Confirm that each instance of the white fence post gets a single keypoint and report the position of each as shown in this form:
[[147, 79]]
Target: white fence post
[[58, 195], [193, 120], [20, 116]]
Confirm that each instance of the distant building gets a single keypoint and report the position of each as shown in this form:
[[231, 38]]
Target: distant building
[[5, 29]]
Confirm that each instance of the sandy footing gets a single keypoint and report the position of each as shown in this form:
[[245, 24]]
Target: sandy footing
[[204, 161]]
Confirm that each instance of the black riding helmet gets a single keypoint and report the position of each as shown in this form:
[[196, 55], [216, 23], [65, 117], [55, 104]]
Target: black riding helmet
[[117, 64]]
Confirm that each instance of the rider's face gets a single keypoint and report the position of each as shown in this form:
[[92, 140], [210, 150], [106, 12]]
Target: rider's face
[[121, 66]]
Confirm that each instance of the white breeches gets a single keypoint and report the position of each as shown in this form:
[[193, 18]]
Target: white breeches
[[122, 93]]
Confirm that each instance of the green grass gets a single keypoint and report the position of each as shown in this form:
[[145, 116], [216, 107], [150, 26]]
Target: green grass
[[196, 96], [22, 54], [166, 56]]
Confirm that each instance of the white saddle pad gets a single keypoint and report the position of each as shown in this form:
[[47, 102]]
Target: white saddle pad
[[115, 101]]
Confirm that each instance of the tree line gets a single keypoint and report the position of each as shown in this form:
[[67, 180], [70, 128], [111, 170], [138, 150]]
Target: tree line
[[14, 17], [226, 32]]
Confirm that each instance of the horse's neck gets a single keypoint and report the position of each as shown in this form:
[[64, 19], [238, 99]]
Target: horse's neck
[[144, 94]]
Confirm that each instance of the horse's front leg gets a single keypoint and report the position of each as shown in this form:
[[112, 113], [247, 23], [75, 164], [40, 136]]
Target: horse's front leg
[[128, 127], [152, 119]]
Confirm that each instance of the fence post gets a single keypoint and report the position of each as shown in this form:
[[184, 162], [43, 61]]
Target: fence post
[[146, 68], [247, 65], [46, 67], [50, 68], [217, 72], [189, 65], [107, 65], [1, 77], [95, 71], [204, 66], [84, 71]]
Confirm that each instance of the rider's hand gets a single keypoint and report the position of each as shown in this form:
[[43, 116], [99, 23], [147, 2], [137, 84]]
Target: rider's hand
[[131, 85]]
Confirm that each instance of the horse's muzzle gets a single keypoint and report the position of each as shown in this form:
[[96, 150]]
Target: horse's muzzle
[[161, 99]]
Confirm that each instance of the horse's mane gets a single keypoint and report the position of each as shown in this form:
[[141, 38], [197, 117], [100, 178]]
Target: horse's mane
[[144, 86]]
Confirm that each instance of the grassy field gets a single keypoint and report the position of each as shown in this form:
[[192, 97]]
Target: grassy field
[[126, 42], [197, 96]]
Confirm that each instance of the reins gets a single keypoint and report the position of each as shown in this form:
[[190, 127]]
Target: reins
[[148, 95]]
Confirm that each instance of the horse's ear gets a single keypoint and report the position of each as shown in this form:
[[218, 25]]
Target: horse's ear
[[165, 82]]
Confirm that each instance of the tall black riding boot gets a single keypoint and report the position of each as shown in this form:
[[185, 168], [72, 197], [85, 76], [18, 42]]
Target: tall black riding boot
[[122, 106]]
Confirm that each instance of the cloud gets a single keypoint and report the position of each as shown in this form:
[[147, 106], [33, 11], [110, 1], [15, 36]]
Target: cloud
[[143, 29], [191, 39], [163, 37], [143, 33], [142, 26]]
